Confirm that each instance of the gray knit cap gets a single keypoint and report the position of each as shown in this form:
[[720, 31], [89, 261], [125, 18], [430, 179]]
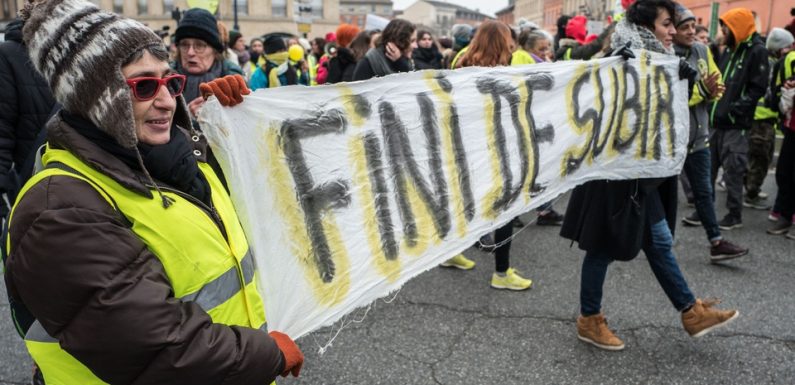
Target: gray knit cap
[[80, 49], [778, 38], [682, 15]]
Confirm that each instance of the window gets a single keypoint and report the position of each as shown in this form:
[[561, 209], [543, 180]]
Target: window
[[142, 7], [279, 7], [317, 8], [242, 7], [118, 6], [168, 6], [387, 9]]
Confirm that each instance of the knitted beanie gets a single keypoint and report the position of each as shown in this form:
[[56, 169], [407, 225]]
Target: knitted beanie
[[683, 15], [80, 50], [234, 36], [273, 44], [200, 24], [778, 38]]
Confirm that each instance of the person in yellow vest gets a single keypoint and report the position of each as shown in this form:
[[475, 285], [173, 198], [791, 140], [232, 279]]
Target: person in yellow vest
[[533, 48], [126, 247], [762, 135]]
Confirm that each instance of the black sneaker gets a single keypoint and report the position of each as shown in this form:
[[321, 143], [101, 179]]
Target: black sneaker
[[551, 218], [780, 227], [692, 219], [725, 250], [756, 202], [517, 222], [730, 222]]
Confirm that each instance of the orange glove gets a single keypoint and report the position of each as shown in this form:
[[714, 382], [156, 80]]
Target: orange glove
[[293, 358], [229, 90]]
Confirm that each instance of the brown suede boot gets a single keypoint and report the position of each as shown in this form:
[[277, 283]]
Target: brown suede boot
[[702, 318], [593, 330]]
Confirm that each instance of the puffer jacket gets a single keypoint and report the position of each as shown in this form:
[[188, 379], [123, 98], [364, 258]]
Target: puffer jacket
[[25, 104], [96, 287], [745, 74]]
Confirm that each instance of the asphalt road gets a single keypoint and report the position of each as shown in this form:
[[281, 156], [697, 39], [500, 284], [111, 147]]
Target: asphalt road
[[448, 327]]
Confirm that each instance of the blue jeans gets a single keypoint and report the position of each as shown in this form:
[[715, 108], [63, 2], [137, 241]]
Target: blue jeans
[[698, 169], [663, 265]]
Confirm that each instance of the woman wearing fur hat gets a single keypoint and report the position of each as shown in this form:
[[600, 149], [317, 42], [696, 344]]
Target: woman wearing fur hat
[[200, 54], [126, 247], [614, 220]]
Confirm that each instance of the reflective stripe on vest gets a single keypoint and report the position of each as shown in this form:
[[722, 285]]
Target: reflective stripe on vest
[[206, 264]]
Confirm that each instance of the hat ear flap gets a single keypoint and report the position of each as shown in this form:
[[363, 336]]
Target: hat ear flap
[[112, 112], [182, 115]]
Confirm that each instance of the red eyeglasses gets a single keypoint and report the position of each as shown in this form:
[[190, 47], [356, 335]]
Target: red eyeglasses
[[146, 88]]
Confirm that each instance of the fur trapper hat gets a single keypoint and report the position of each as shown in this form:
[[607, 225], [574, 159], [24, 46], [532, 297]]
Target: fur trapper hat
[[80, 49]]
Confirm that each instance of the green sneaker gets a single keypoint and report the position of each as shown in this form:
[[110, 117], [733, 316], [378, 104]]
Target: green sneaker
[[459, 262], [511, 281]]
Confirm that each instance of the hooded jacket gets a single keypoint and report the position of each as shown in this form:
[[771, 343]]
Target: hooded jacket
[[25, 104], [745, 70], [571, 49]]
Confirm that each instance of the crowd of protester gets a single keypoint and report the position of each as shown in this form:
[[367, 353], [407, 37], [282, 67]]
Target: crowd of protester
[[741, 86]]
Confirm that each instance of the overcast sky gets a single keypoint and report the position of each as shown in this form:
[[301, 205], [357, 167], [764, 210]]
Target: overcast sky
[[485, 6]]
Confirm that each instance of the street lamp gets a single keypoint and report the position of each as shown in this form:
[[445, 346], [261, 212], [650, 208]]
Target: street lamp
[[236, 27]]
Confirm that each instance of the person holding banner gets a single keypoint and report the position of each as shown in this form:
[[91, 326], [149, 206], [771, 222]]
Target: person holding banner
[[492, 46], [392, 54], [614, 220], [126, 247]]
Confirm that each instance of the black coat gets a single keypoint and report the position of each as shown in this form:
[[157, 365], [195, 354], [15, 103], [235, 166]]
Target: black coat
[[427, 58], [612, 216], [365, 71], [26, 103], [340, 67], [745, 71]]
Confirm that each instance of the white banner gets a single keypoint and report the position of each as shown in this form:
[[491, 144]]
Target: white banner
[[347, 191]]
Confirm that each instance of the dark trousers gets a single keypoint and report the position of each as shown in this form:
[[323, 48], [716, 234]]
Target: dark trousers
[[785, 177], [698, 170], [761, 140], [729, 148], [502, 254], [663, 264]]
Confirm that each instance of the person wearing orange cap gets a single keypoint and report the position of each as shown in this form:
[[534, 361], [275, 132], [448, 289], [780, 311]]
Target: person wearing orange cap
[[744, 68]]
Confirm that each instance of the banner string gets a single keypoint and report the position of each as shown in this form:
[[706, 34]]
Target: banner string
[[345, 323], [515, 233]]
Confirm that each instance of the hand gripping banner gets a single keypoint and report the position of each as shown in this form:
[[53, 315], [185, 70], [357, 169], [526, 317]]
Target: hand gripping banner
[[348, 191]]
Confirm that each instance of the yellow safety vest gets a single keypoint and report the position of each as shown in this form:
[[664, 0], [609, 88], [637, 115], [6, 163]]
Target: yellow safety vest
[[203, 265]]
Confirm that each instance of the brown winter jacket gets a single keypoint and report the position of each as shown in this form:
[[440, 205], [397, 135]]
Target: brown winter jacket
[[94, 286]]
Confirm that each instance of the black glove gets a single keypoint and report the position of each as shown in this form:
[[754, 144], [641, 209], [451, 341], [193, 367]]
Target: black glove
[[625, 52], [686, 71]]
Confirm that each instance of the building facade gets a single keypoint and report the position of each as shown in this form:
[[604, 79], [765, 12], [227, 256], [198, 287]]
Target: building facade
[[532, 10], [553, 9], [355, 11], [439, 16], [596, 10], [506, 15], [255, 17], [769, 13]]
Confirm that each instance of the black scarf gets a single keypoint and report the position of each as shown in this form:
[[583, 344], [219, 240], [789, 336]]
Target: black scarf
[[173, 163], [191, 90]]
